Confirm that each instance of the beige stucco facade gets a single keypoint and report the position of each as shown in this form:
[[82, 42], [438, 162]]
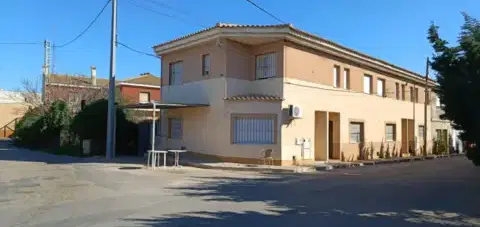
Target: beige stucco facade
[[303, 77]]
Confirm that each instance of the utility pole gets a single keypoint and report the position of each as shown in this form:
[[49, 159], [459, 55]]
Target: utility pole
[[111, 86], [426, 102], [46, 67], [414, 101]]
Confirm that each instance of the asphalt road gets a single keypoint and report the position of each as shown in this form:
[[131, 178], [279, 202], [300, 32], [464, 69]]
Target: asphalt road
[[38, 189]]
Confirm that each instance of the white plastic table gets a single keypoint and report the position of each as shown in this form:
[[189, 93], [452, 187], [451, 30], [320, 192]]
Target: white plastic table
[[177, 157], [155, 157]]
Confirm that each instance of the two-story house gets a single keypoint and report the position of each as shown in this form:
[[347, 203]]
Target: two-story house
[[279, 87]]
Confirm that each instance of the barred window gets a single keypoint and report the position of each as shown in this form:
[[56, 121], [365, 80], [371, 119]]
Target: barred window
[[265, 66], [253, 130], [390, 132], [356, 132]]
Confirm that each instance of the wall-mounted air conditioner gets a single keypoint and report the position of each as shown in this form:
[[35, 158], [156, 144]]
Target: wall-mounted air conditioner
[[294, 111]]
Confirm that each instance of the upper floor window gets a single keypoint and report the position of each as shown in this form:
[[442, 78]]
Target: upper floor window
[[397, 91], [346, 78], [144, 97], [336, 76], [416, 95], [381, 87], [175, 73], [205, 64], [403, 92], [412, 95], [367, 84], [437, 101], [265, 66]]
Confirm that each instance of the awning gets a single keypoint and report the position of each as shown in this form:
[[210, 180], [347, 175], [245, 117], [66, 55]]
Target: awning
[[159, 105], [254, 97]]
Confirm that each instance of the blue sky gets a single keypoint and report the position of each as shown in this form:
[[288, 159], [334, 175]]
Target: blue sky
[[394, 31]]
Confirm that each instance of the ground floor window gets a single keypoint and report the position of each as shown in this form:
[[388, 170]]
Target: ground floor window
[[175, 129], [356, 132], [253, 129], [390, 132]]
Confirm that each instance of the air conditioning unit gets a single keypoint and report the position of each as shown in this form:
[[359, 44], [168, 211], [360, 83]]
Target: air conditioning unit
[[294, 111]]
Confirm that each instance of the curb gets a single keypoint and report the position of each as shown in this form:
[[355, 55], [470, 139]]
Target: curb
[[296, 170]]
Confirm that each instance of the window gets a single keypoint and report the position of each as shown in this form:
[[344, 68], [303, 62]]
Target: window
[[421, 132], [265, 66], [367, 84], [336, 76], [205, 64], [390, 132], [381, 87], [403, 92], [356, 132], [144, 97], [416, 95], [397, 91], [437, 101], [412, 95], [253, 129], [175, 130], [176, 71], [346, 79]]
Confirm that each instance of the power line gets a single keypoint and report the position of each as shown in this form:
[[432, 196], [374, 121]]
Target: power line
[[21, 43], [88, 27], [165, 5], [164, 14], [265, 11], [136, 51]]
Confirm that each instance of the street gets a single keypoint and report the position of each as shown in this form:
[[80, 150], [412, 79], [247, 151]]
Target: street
[[38, 189]]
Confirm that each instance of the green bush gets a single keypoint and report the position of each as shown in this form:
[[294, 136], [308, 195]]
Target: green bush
[[38, 129], [91, 123]]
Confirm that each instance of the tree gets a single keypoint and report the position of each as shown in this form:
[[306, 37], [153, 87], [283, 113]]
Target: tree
[[91, 123], [458, 77]]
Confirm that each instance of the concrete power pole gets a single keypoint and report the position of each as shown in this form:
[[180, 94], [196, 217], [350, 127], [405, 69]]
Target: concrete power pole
[[111, 87], [426, 102], [46, 67]]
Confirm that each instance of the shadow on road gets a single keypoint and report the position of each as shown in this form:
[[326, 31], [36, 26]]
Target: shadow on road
[[9, 152], [346, 201]]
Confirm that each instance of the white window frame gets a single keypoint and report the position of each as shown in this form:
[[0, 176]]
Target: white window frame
[[256, 130], [265, 66], [143, 93], [393, 134], [175, 73], [380, 87], [358, 135], [367, 84]]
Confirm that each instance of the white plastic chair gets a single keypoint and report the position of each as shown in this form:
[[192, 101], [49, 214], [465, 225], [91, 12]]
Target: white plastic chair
[[267, 157]]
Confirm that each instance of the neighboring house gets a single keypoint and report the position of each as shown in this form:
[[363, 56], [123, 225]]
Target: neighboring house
[[442, 129], [143, 88], [12, 107], [279, 87], [75, 89]]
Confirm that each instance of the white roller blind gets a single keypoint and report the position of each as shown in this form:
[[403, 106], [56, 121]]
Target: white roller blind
[[336, 78], [176, 71], [346, 79], [367, 83], [380, 87]]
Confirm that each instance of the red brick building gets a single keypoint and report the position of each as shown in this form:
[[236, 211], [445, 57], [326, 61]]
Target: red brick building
[[143, 88]]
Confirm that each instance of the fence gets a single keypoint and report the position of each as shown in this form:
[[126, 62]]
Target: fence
[[8, 129]]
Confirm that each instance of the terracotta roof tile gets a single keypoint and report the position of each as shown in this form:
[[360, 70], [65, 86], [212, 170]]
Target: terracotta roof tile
[[254, 97], [80, 80], [145, 78]]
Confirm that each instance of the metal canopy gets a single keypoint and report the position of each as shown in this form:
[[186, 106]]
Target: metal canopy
[[159, 105]]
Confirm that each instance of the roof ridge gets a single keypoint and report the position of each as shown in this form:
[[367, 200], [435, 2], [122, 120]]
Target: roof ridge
[[140, 76]]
